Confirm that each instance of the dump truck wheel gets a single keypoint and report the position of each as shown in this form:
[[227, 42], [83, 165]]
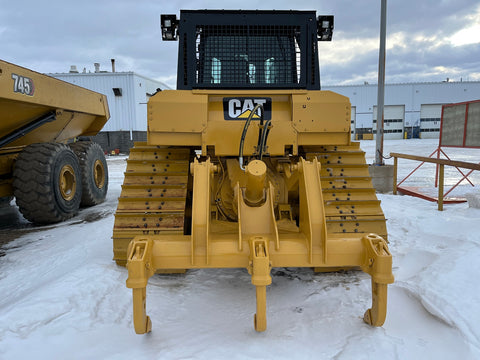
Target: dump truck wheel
[[47, 183], [94, 172], [5, 201]]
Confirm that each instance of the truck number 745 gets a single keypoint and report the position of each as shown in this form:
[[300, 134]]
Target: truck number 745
[[23, 85]]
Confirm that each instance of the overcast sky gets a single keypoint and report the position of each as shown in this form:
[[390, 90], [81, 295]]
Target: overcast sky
[[427, 40]]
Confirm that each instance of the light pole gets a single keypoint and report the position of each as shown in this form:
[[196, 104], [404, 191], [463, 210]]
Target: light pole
[[381, 84]]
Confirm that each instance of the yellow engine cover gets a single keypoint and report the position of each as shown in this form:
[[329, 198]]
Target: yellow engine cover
[[216, 118]]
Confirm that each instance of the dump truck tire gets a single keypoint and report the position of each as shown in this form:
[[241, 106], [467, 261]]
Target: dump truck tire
[[47, 183], [5, 201], [93, 167]]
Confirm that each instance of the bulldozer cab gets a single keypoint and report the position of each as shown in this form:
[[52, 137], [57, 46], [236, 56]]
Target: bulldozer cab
[[256, 50]]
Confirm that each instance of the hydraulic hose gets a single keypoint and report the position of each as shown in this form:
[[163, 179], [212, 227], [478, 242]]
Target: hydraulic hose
[[265, 132], [259, 142], [244, 133]]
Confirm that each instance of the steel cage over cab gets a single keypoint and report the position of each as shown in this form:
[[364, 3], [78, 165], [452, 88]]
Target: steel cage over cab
[[247, 50]]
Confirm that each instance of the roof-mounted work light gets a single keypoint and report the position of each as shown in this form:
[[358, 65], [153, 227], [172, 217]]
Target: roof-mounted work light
[[169, 24], [325, 27]]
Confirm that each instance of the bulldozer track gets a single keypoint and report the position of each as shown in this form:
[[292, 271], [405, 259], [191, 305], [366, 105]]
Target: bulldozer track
[[153, 197], [154, 193], [351, 204]]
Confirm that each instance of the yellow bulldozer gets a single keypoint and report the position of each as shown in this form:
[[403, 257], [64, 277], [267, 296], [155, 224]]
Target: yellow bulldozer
[[49, 173], [248, 164]]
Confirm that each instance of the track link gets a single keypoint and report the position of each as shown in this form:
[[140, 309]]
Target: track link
[[351, 204], [153, 197]]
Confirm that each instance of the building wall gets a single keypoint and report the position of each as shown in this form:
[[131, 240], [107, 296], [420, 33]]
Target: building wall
[[122, 109], [353, 116], [412, 96], [128, 106], [119, 140], [420, 104], [144, 88]]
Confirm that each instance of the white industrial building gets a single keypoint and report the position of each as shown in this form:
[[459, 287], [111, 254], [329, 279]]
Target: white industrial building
[[410, 109], [127, 94]]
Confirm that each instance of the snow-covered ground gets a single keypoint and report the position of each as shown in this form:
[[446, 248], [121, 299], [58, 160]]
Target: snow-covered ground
[[62, 297]]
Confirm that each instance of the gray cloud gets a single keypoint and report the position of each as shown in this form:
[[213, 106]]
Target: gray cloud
[[50, 36]]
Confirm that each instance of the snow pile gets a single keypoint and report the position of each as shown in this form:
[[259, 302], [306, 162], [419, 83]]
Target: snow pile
[[64, 298], [473, 200]]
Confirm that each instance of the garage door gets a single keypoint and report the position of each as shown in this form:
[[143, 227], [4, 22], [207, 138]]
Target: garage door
[[430, 117], [353, 118], [393, 119], [431, 111]]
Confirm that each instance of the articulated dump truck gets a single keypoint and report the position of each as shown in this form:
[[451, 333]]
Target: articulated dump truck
[[248, 164], [49, 174]]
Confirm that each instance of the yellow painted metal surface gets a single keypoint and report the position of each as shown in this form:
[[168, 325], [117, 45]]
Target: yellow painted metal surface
[[79, 111], [26, 95], [301, 118], [309, 202]]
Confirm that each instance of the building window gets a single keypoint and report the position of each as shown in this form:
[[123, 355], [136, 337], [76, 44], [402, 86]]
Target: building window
[[429, 119], [388, 121]]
